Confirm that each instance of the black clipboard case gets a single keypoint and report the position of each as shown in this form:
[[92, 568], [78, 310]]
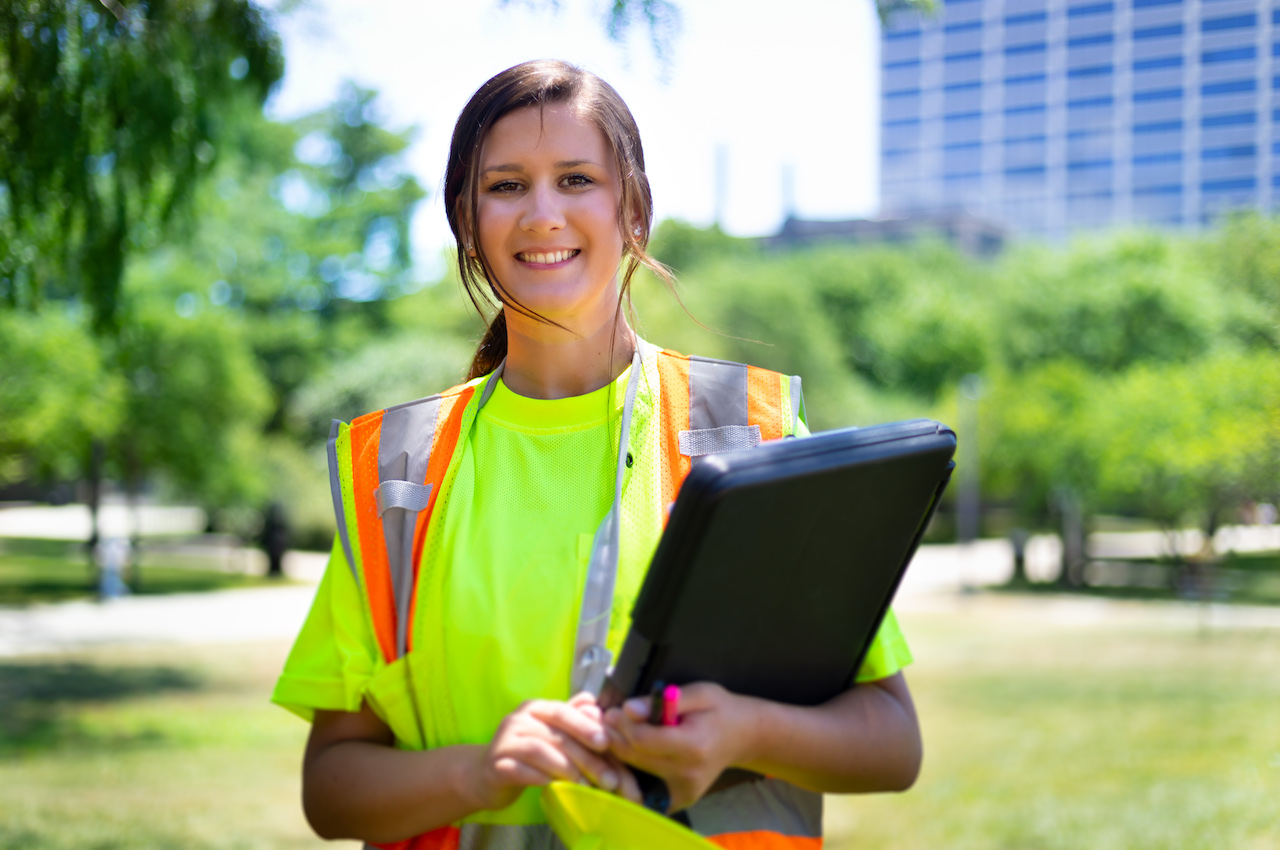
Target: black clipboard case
[[778, 564]]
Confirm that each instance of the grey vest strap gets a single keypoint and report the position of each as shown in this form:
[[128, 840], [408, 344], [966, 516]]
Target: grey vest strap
[[591, 657], [726, 438], [404, 495]]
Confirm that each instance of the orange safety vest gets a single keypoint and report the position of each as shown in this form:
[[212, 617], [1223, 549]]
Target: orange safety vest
[[399, 458]]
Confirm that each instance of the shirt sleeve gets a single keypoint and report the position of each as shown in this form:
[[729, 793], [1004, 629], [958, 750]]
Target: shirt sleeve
[[889, 652], [334, 656]]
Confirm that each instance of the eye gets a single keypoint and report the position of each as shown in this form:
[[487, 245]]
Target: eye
[[577, 180], [504, 187]]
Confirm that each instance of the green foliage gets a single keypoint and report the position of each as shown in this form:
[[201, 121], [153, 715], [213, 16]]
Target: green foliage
[[194, 408], [56, 395], [105, 127]]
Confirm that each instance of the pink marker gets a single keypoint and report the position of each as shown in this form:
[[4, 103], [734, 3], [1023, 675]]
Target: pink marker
[[670, 705]]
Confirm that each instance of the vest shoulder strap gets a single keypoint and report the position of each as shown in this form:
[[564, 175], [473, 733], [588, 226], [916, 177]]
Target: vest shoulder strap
[[386, 469]]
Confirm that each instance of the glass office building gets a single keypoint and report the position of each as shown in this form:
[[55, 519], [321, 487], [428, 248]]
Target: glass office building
[[1056, 115]]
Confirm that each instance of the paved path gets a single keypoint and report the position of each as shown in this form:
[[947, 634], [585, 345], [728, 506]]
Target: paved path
[[939, 581]]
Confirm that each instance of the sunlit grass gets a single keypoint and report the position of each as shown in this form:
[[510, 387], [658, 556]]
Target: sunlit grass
[[1070, 736], [58, 573], [1040, 733]]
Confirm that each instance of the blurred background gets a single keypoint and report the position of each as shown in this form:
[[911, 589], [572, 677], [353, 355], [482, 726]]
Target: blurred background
[[1048, 223]]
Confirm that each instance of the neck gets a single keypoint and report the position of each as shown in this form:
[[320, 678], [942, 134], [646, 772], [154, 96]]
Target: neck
[[547, 362]]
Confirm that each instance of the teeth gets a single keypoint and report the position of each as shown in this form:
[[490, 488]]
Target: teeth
[[548, 259]]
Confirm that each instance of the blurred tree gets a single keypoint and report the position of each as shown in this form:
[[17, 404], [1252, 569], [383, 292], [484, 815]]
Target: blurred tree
[[56, 396], [106, 124]]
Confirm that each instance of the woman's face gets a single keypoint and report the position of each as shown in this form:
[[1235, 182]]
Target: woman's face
[[548, 202]]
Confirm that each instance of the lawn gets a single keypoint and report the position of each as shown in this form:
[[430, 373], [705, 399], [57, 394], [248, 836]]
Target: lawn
[[52, 571], [1123, 732], [1045, 736]]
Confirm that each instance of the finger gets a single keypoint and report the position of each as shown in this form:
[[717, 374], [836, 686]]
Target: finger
[[628, 788], [638, 708], [573, 721], [513, 771], [599, 771], [547, 756]]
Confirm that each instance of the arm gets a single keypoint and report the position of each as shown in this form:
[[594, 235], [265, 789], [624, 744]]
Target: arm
[[866, 739], [356, 784]]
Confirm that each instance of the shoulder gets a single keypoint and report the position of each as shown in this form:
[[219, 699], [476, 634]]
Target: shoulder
[[464, 393]]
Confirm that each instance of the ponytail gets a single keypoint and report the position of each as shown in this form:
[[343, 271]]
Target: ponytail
[[492, 348]]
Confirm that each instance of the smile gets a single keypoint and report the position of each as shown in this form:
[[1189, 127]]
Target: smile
[[548, 259]]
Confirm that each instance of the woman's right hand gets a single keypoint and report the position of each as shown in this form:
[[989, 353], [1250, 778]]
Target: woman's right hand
[[543, 740]]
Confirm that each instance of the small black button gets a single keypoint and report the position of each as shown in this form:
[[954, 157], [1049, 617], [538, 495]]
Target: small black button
[[630, 460]]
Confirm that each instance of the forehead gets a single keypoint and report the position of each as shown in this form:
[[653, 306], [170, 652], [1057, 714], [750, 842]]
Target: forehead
[[558, 131]]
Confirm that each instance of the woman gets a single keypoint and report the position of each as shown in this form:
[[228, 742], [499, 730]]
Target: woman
[[474, 586]]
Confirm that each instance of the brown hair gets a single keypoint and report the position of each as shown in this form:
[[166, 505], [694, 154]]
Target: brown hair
[[537, 84]]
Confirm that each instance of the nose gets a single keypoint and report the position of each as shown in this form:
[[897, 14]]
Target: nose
[[543, 211]]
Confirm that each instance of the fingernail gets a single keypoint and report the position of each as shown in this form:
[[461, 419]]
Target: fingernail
[[600, 739], [637, 706], [609, 780]]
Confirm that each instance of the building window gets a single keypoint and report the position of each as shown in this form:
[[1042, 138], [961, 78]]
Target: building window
[[1232, 152], [1025, 171], [1237, 184], [902, 63], [1022, 49], [901, 35], [1089, 165], [1157, 32], [954, 87], [1091, 71], [1037, 138], [1231, 120], [1029, 18], [1158, 127], [1143, 4], [1157, 158], [1232, 54], [962, 57], [1094, 9], [964, 27], [961, 116], [1229, 87], [1231, 23], [1024, 79], [900, 153], [902, 122], [1157, 94], [1166, 189], [1029, 109], [1090, 40], [892, 95], [1090, 102], [1158, 62], [959, 176], [962, 146]]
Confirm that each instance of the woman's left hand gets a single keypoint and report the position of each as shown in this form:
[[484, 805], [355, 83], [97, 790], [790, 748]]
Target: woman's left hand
[[716, 729]]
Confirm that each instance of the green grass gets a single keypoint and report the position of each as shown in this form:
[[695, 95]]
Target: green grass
[[1048, 737], [1040, 735], [149, 749], [58, 574]]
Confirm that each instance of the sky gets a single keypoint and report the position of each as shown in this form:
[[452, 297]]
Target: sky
[[772, 88]]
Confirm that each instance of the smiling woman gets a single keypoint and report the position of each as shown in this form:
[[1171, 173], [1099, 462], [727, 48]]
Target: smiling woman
[[493, 538]]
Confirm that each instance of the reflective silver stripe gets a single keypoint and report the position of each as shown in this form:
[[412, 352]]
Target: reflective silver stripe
[[405, 495], [717, 393], [591, 658], [405, 437], [492, 836], [726, 438], [335, 485], [766, 804], [797, 403]]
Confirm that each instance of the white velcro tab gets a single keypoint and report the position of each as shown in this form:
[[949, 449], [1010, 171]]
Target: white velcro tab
[[726, 438], [401, 494]]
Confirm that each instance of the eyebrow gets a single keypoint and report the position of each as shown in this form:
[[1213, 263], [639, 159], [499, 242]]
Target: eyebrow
[[513, 167]]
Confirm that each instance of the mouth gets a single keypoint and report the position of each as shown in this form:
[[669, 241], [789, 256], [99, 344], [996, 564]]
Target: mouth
[[549, 258]]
